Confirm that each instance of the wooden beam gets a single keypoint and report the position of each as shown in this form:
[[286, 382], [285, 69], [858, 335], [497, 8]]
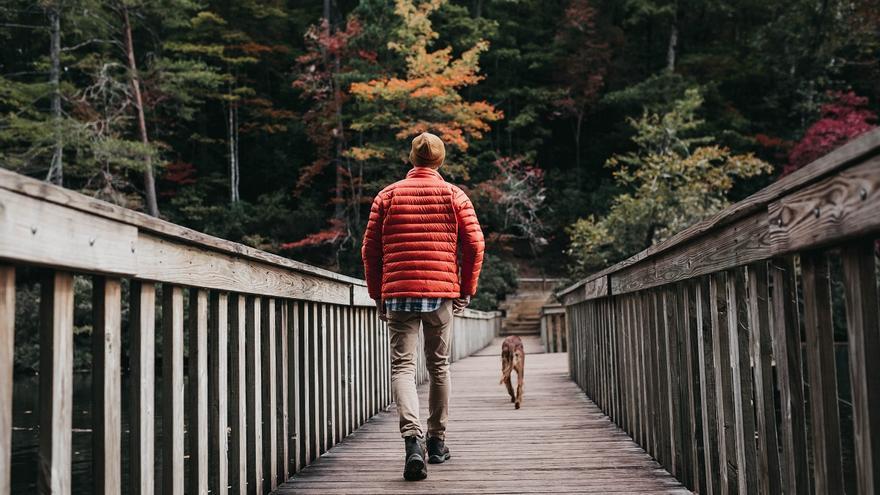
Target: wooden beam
[[822, 372], [269, 398], [786, 344], [7, 361], [282, 332], [165, 261], [106, 385], [198, 392], [254, 397], [860, 278], [143, 397], [218, 392], [56, 383], [36, 231], [72, 200], [238, 446], [836, 209], [741, 374], [739, 243], [172, 390], [769, 473], [862, 148]]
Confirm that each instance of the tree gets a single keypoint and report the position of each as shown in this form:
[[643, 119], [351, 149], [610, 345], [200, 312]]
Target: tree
[[425, 97], [370, 101], [673, 179], [583, 67], [844, 117]]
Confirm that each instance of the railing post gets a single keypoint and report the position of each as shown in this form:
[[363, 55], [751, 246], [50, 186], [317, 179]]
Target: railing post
[[7, 360], [106, 386], [172, 390]]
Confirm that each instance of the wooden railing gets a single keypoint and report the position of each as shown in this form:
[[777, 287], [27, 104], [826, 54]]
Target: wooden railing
[[284, 359], [554, 334], [696, 346]]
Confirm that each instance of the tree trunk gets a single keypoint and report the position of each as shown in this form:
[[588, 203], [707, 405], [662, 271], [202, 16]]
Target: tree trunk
[[671, 48], [56, 169], [149, 179], [327, 11], [577, 144], [234, 170]]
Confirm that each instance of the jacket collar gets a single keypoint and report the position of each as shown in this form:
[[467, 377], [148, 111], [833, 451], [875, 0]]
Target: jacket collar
[[423, 172]]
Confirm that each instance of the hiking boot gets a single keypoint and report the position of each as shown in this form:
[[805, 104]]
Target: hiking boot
[[415, 468], [438, 452]]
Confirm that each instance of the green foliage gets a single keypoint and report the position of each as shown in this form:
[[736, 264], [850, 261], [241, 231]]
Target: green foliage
[[497, 279], [674, 179], [226, 96]]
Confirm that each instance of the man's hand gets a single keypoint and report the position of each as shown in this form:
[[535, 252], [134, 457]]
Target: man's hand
[[459, 304], [380, 310]]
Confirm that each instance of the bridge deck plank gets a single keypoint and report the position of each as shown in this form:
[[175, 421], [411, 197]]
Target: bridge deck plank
[[558, 442]]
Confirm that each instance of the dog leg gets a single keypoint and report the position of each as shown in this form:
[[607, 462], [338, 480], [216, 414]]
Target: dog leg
[[520, 372]]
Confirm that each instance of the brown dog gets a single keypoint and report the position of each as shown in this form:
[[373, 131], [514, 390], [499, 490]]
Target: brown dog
[[513, 357]]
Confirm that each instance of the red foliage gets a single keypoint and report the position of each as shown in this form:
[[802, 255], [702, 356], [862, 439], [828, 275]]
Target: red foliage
[[178, 174], [326, 58], [844, 117], [776, 147], [327, 236]]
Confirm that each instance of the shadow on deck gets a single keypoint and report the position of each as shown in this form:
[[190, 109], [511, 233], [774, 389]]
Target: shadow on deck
[[558, 442]]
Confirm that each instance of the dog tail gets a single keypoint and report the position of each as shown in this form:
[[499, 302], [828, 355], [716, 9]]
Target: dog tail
[[517, 359]]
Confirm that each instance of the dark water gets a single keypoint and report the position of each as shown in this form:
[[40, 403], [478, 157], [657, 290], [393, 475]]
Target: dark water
[[25, 435]]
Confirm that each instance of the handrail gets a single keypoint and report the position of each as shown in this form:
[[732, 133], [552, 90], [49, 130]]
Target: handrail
[[680, 343], [287, 358], [554, 332], [764, 208]]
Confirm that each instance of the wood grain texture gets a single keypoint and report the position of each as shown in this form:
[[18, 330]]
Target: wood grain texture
[[218, 392], [741, 375], [786, 344], [863, 326], [828, 472], [269, 398], [708, 390], [172, 390], [294, 381], [769, 474], [36, 231], [238, 459], [166, 261], [197, 400], [254, 396], [20, 184], [739, 243], [557, 420], [106, 385], [833, 210], [718, 308], [56, 383], [142, 318], [282, 331], [7, 361]]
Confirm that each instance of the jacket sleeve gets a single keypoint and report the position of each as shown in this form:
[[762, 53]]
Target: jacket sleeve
[[471, 243], [371, 251]]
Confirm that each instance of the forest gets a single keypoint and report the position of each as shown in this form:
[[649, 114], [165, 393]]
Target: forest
[[584, 130]]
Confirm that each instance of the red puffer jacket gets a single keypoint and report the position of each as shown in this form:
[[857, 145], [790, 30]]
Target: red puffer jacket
[[417, 229]]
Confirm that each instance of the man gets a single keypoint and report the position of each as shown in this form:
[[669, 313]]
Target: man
[[422, 252]]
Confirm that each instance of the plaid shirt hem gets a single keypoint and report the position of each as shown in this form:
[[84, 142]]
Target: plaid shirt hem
[[413, 304]]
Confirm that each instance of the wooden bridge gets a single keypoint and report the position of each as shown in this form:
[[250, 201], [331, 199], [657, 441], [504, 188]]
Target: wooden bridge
[[274, 375]]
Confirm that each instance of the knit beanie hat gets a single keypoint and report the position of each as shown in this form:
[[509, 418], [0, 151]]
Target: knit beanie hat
[[427, 151]]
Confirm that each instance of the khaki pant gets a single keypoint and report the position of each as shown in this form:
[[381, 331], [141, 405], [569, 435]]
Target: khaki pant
[[404, 326]]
